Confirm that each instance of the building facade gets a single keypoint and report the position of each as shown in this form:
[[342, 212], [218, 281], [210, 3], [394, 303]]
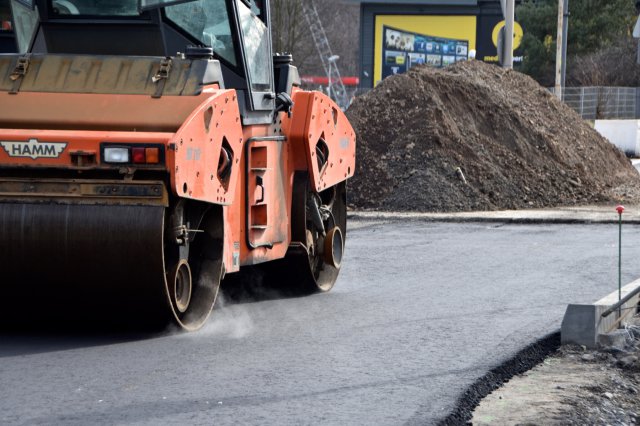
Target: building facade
[[394, 36]]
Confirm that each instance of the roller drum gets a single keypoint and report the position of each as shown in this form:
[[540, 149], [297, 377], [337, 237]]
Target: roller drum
[[87, 265]]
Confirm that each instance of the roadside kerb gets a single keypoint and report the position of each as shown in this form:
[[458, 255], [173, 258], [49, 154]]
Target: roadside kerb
[[583, 324], [564, 215]]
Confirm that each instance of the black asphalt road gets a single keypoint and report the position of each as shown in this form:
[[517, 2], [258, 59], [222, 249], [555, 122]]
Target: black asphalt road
[[420, 311]]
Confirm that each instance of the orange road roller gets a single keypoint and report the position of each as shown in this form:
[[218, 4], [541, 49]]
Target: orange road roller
[[151, 148]]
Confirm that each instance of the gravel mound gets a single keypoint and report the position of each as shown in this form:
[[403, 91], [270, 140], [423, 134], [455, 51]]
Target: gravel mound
[[473, 136]]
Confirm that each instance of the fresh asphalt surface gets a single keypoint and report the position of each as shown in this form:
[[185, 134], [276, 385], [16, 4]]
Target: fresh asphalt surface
[[420, 311]]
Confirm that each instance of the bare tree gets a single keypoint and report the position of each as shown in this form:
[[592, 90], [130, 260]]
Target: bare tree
[[613, 65], [290, 33]]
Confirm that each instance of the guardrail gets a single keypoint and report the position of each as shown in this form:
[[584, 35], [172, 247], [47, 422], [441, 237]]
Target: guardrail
[[621, 303]]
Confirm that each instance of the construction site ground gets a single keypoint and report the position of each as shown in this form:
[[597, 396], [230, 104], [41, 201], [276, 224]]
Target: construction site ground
[[573, 386], [475, 143], [545, 383], [423, 322]]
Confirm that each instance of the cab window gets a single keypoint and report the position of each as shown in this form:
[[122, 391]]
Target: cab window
[[255, 37], [26, 21], [208, 22], [95, 7]]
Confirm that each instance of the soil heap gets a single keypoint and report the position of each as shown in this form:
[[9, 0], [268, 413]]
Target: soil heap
[[473, 136]]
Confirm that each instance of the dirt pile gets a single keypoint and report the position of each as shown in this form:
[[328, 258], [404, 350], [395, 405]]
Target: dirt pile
[[476, 137]]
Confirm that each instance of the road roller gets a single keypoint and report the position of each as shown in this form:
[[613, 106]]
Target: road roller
[[150, 149]]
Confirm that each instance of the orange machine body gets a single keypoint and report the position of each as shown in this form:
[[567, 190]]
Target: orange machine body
[[257, 217]]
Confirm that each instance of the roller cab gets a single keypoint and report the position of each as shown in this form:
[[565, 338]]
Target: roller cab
[[150, 149]]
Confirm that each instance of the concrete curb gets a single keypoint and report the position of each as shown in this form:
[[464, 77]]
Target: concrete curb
[[584, 324], [567, 215]]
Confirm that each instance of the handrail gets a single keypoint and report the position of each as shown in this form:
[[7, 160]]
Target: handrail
[[621, 302]]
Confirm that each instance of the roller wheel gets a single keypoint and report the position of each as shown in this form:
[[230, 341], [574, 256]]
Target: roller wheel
[[192, 283], [78, 266], [313, 261], [180, 286]]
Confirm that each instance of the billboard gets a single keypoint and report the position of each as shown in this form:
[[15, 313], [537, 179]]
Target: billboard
[[402, 41], [488, 28], [402, 50]]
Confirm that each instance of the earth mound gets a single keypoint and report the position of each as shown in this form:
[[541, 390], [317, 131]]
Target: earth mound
[[473, 136]]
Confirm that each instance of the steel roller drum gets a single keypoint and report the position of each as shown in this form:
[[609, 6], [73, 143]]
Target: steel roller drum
[[82, 265]]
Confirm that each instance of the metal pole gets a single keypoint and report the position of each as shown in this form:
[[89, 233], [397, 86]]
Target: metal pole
[[329, 81], [565, 31], [619, 257], [620, 209], [558, 87], [508, 34]]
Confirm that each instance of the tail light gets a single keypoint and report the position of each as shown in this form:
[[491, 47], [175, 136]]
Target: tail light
[[152, 155], [138, 154]]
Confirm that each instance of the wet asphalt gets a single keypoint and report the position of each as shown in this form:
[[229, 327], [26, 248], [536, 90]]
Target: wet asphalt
[[420, 311]]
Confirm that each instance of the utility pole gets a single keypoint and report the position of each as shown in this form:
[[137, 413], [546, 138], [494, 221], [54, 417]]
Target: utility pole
[[509, 17], [565, 31], [559, 43], [505, 36], [636, 30]]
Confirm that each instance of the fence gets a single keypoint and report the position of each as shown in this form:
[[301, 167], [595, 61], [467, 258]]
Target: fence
[[603, 102]]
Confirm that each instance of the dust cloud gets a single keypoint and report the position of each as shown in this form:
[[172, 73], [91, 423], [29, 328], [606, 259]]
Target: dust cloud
[[232, 321]]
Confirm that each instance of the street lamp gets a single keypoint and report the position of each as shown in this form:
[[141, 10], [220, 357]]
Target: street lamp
[[332, 63]]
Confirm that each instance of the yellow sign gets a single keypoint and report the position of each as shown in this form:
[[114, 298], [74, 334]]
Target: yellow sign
[[517, 34], [451, 27]]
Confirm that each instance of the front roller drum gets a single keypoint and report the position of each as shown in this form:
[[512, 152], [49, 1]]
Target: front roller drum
[[85, 266]]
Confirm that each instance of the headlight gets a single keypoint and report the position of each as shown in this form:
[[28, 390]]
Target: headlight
[[116, 155]]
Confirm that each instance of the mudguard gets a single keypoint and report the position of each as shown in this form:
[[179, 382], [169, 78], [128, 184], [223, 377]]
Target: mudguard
[[329, 141], [204, 155]]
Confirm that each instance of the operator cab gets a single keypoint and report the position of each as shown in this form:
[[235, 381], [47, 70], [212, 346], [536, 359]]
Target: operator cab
[[234, 32]]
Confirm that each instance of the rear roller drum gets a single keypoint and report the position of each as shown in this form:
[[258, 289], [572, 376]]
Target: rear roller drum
[[318, 226]]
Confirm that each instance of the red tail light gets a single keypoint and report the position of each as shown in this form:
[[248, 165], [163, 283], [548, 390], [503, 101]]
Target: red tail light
[[138, 155]]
